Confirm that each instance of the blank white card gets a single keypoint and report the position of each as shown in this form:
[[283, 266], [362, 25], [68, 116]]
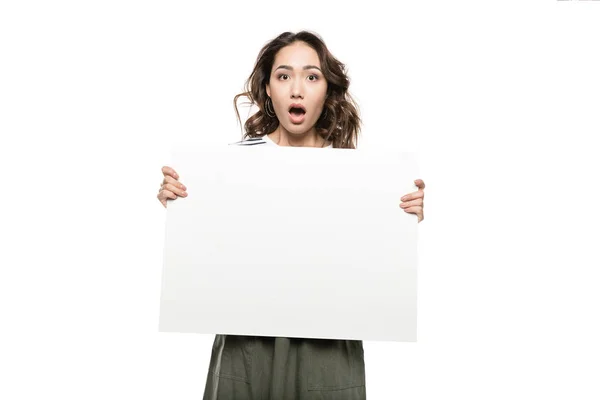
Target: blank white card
[[291, 242]]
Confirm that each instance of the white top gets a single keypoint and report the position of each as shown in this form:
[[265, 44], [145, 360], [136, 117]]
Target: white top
[[262, 140]]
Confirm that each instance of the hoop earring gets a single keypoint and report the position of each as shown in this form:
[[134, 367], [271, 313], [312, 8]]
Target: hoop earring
[[324, 115], [268, 104]]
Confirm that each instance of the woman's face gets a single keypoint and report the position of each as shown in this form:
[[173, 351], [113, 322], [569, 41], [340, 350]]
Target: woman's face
[[297, 88]]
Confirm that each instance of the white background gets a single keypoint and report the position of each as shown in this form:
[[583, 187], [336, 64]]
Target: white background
[[501, 99]]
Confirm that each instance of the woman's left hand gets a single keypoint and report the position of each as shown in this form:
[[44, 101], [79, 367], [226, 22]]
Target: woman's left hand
[[413, 202]]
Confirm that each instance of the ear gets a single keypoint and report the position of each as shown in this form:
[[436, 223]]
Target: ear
[[268, 87]]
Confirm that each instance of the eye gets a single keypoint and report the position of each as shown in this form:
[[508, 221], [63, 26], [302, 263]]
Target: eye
[[313, 78], [283, 77]]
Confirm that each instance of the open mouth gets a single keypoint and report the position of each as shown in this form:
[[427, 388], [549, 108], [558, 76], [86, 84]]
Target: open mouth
[[297, 110]]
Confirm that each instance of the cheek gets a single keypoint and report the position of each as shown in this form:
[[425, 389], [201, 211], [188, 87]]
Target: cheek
[[320, 92], [277, 93], [279, 104]]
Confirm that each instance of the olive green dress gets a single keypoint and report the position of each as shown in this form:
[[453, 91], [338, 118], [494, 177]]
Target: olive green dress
[[277, 368]]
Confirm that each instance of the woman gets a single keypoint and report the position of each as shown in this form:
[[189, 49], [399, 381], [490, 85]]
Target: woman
[[302, 94]]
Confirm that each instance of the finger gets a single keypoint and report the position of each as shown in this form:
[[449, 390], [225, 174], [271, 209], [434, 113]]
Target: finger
[[418, 210], [169, 187], [167, 195], [166, 170], [416, 202], [412, 196], [162, 199], [420, 184], [165, 201], [163, 196], [174, 182]]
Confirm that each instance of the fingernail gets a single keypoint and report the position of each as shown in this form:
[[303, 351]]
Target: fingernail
[[403, 198]]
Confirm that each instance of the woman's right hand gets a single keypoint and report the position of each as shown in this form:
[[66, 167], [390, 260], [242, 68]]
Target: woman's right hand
[[170, 187]]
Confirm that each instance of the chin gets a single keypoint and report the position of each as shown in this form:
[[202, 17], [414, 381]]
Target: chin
[[298, 130]]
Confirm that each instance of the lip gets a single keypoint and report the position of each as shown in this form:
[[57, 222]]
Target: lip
[[295, 118], [296, 105]]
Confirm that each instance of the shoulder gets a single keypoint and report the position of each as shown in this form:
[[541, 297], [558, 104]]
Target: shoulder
[[249, 142]]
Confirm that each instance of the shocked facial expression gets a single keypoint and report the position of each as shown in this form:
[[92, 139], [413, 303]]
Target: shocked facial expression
[[297, 88]]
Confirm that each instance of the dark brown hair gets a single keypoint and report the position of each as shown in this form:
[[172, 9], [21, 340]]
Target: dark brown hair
[[339, 120]]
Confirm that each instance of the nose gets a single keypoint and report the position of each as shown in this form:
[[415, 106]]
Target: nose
[[297, 89]]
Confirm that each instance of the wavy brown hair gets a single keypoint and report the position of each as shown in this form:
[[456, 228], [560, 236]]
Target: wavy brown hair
[[339, 122]]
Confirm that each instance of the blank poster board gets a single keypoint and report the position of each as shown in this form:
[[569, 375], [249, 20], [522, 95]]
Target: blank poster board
[[291, 242]]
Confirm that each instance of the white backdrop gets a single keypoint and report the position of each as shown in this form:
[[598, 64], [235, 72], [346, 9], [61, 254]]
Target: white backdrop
[[500, 99]]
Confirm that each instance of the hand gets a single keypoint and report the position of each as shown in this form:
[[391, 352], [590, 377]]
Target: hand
[[170, 188], [413, 202]]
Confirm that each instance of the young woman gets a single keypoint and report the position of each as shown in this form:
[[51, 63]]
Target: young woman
[[302, 94]]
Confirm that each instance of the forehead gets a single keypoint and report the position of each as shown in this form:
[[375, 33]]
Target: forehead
[[297, 55]]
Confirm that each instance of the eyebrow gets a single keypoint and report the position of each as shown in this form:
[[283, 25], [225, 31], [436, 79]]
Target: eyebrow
[[304, 68]]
